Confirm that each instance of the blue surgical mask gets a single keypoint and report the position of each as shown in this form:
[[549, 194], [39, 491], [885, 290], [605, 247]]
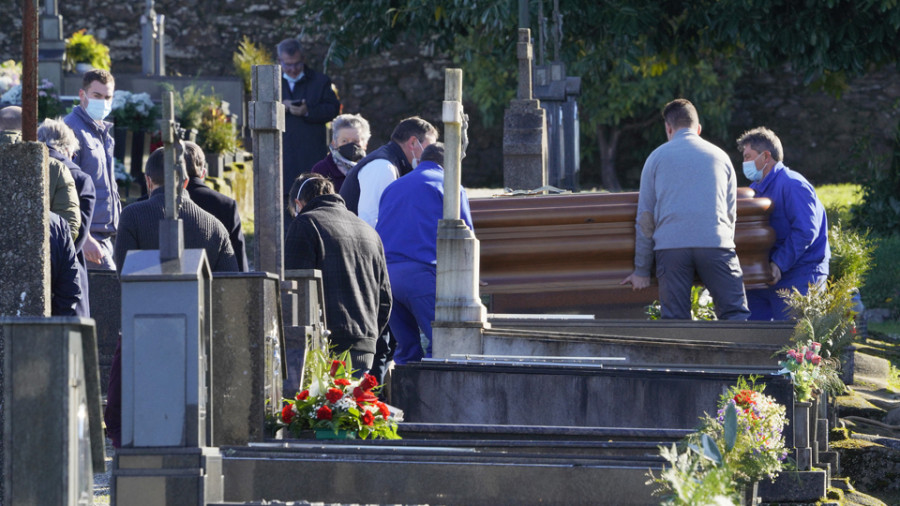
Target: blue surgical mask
[[98, 109], [292, 80], [415, 160], [750, 170]]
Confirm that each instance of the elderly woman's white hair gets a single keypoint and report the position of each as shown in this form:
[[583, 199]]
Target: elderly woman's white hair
[[352, 121], [59, 136]]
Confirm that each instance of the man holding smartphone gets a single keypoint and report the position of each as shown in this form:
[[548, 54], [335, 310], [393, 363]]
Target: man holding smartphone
[[310, 103]]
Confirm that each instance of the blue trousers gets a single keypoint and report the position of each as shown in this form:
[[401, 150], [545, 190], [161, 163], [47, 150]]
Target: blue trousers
[[413, 287], [718, 269], [765, 304]]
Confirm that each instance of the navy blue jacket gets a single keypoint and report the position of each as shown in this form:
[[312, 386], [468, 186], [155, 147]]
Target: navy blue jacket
[[65, 284], [391, 152]]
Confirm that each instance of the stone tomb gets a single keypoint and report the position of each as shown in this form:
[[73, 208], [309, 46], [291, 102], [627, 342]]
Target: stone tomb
[[52, 427]]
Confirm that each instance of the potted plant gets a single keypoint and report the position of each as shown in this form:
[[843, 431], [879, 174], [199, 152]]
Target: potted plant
[[84, 51]]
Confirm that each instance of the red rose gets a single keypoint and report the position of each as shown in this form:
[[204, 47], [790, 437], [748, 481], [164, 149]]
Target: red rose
[[368, 382], [333, 395], [287, 413], [342, 382], [302, 396], [323, 413], [385, 411], [335, 365], [363, 396], [368, 418]]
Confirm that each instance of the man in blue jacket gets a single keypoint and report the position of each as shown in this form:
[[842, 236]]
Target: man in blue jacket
[[95, 157], [800, 255], [408, 217]]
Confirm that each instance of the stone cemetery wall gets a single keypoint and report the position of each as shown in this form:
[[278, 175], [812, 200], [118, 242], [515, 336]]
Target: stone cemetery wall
[[818, 130]]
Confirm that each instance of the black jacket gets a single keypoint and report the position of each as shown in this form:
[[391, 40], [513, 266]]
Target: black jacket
[[328, 237], [225, 209], [139, 229], [65, 284], [304, 142]]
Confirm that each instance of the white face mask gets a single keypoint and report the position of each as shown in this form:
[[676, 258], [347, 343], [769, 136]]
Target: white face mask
[[415, 160], [98, 109]]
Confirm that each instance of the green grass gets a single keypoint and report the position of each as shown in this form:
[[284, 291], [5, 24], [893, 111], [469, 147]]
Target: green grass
[[890, 327], [837, 199]]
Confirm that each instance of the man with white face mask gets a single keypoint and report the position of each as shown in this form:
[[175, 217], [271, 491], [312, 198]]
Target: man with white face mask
[[367, 180], [800, 254], [95, 157]]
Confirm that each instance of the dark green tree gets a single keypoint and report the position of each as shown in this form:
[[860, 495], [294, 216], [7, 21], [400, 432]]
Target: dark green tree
[[633, 55]]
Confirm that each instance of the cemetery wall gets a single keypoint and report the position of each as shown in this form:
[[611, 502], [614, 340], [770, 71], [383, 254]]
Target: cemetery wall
[[819, 130]]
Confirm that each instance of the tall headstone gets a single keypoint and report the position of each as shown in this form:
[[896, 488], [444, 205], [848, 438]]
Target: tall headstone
[[558, 94], [524, 129], [166, 457], [52, 48], [460, 317], [153, 42], [267, 122]]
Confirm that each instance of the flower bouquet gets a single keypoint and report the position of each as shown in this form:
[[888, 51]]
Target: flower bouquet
[[134, 111], [332, 400], [809, 372]]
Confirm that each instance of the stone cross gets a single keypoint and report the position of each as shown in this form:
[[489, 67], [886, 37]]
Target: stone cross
[[171, 231], [153, 42], [267, 122], [460, 318]]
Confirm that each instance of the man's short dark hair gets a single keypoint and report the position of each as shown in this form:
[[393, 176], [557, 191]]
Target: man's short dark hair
[[289, 47], [11, 118], [155, 169], [762, 139], [100, 75], [681, 113], [434, 153], [194, 159], [413, 127]]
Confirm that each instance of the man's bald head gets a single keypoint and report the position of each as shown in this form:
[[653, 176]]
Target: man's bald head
[[11, 118]]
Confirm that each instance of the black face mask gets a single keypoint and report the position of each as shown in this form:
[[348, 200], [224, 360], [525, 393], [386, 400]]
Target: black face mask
[[352, 152]]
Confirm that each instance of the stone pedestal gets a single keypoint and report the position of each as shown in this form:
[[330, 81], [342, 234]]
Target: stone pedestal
[[304, 319], [524, 146], [460, 317], [801, 435], [169, 476]]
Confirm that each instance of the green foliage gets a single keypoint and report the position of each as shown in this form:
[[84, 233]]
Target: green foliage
[[879, 210], [83, 47], [851, 253], [248, 55], [838, 199], [882, 289], [191, 103], [692, 478], [702, 306], [217, 133], [824, 315]]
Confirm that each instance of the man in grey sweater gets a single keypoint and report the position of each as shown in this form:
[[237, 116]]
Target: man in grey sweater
[[686, 214]]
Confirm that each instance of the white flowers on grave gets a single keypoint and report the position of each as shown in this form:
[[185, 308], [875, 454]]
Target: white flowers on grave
[[134, 111]]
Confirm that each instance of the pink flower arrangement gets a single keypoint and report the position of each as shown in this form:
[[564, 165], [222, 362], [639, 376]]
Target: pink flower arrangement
[[807, 370]]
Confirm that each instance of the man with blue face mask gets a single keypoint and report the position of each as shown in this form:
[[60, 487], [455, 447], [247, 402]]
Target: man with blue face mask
[[310, 103], [95, 157], [800, 254]]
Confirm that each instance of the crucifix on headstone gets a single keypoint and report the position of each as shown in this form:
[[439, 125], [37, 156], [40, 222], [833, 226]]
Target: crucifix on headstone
[[524, 129], [459, 315], [171, 231]]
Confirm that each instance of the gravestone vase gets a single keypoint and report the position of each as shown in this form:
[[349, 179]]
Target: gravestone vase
[[750, 494], [801, 435]]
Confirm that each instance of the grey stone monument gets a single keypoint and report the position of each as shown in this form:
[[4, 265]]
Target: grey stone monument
[[304, 321], [49, 411], [460, 317], [267, 123], [52, 46], [524, 129], [558, 94], [153, 42], [166, 456]]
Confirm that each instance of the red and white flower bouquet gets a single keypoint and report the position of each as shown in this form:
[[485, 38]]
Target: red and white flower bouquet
[[331, 399]]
